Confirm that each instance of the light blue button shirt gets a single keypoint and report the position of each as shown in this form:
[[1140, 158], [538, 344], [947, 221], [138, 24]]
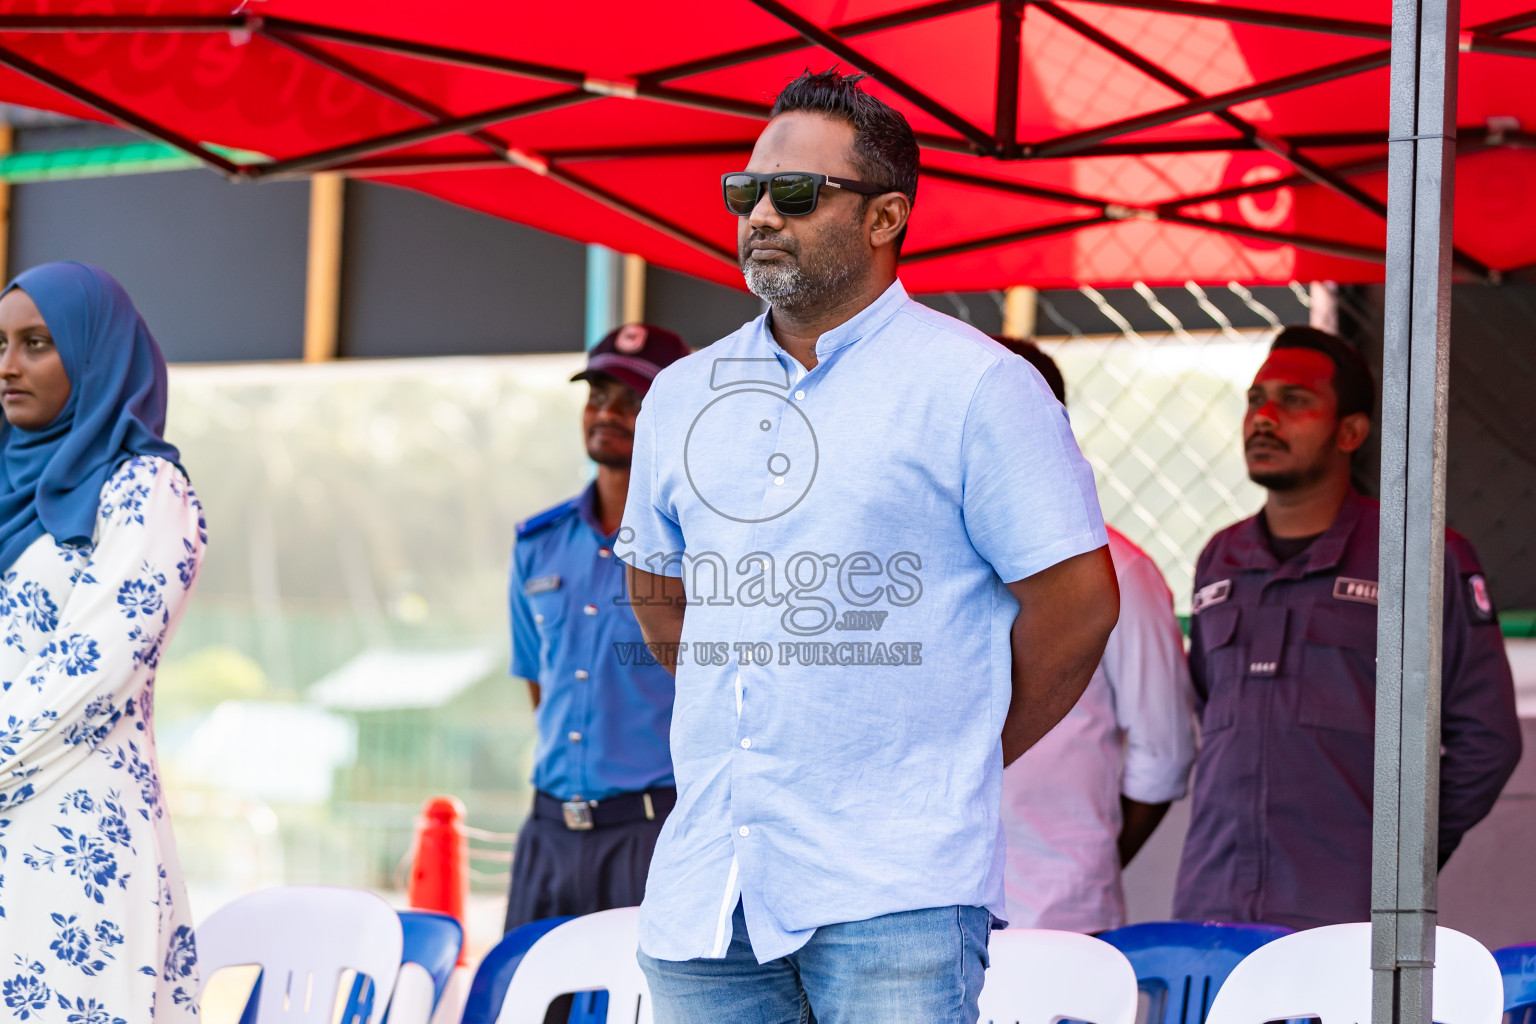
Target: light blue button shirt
[[844, 537]]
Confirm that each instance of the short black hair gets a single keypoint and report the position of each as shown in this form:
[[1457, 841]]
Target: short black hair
[[1353, 383], [1040, 361], [884, 147]]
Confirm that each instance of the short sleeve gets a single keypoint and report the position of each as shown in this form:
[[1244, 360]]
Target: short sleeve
[[1144, 663], [525, 638], [1029, 500], [647, 529]]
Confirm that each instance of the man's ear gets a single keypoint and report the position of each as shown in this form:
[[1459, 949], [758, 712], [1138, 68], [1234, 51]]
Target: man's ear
[[1352, 432], [886, 217]]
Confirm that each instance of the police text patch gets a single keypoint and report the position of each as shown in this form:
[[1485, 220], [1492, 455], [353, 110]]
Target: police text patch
[[1214, 593], [542, 584], [1364, 591]]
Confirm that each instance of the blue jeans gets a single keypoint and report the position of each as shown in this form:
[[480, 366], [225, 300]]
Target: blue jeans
[[922, 965]]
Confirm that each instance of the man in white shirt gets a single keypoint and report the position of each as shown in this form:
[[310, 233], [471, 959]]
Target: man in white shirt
[[1080, 803]]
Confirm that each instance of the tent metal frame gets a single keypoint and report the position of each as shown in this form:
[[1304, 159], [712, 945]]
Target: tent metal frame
[[379, 155], [1421, 143], [1421, 174]]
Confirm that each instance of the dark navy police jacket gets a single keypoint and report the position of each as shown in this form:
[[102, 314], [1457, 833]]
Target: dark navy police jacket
[[1283, 659]]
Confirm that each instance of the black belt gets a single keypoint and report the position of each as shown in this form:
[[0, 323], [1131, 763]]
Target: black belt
[[620, 809]]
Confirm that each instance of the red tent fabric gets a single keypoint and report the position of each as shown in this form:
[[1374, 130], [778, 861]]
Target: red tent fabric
[[1116, 140]]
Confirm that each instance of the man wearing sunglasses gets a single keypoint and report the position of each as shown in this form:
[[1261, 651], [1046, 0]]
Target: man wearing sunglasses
[[863, 537]]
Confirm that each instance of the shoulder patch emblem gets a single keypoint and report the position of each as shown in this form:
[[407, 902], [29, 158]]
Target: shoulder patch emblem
[[1364, 591], [1213, 593], [542, 584], [1482, 603]]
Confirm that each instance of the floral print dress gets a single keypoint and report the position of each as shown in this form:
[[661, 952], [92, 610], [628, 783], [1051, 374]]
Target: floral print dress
[[94, 924]]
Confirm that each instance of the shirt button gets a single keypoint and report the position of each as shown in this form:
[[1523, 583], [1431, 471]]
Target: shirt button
[[590, 609], [581, 673], [746, 744], [574, 737], [778, 481], [743, 831], [799, 396], [539, 618], [604, 553]]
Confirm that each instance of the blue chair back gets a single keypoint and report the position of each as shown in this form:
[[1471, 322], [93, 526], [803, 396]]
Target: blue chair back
[[489, 987], [1180, 965], [434, 941], [1518, 965], [431, 940]]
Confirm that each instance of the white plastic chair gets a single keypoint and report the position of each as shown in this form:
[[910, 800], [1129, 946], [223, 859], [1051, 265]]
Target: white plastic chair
[[411, 1000], [1326, 972], [596, 951], [1039, 976], [303, 937]]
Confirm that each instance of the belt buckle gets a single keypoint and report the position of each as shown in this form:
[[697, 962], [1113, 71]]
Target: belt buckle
[[578, 815]]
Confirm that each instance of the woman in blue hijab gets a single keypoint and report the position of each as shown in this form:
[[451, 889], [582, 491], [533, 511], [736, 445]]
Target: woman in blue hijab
[[100, 542]]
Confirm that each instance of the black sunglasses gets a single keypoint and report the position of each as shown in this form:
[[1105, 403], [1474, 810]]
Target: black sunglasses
[[793, 193]]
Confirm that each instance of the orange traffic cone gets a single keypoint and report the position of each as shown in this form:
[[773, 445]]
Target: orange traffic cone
[[440, 864]]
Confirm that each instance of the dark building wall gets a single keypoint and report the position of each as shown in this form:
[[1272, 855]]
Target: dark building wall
[[1490, 481], [701, 311], [424, 277], [217, 270], [71, 135], [1491, 465]]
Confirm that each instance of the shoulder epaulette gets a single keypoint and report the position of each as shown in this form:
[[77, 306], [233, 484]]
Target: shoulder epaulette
[[533, 524]]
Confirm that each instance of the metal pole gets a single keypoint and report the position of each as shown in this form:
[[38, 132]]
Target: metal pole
[[1420, 180]]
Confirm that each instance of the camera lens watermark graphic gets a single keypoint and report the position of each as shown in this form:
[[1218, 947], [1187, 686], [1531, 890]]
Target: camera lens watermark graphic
[[750, 454]]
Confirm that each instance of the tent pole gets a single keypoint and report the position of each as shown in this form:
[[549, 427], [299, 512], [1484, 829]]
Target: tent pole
[[1416, 349]]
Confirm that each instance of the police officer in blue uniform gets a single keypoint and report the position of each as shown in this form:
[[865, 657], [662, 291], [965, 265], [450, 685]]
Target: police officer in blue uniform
[[602, 769], [1283, 657]]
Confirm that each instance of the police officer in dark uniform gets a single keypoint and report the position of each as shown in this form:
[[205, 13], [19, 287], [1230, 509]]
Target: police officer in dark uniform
[[602, 769], [1283, 657]]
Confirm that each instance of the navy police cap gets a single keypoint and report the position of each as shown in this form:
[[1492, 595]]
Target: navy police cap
[[633, 355]]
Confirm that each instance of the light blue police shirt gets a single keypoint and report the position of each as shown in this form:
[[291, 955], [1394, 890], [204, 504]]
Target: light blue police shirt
[[605, 704], [844, 537]]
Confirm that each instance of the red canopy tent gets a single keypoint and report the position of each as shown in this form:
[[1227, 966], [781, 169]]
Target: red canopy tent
[[1065, 141]]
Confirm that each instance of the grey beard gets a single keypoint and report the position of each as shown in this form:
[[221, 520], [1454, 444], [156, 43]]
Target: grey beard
[[790, 289], [772, 283]]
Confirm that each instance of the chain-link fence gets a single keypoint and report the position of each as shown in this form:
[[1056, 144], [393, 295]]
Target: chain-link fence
[[1156, 379]]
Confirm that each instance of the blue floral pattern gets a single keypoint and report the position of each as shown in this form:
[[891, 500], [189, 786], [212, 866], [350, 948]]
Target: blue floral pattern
[[94, 927]]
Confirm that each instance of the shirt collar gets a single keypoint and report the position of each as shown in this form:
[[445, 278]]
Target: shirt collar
[[586, 508], [1328, 550], [861, 325], [1250, 548]]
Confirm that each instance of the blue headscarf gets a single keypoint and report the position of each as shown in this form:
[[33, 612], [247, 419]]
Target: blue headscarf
[[51, 479]]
